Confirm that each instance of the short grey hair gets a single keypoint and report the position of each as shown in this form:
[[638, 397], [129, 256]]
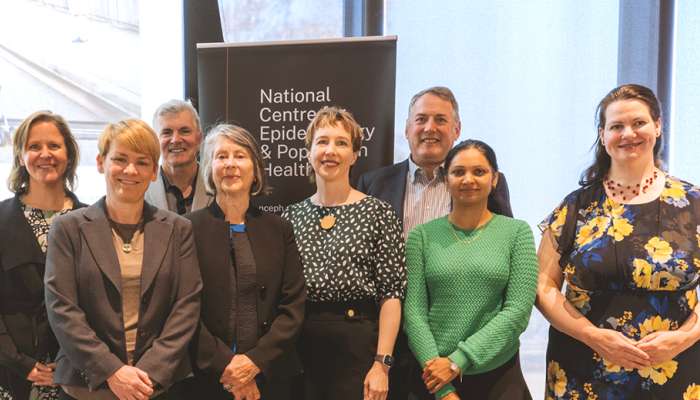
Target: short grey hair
[[441, 92], [243, 138], [175, 106]]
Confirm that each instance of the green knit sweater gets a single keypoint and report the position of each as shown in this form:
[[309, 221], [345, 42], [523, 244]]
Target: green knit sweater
[[469, 299]]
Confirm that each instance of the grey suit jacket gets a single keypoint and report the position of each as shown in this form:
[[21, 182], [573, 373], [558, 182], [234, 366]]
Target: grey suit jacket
[[83, 297], [389, 184], [156, 193]]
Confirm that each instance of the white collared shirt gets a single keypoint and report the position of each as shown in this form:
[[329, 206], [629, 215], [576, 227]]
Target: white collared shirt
[[425, 199]]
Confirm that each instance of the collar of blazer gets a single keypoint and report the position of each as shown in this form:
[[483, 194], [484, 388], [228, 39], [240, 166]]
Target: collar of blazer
[[157, 235]]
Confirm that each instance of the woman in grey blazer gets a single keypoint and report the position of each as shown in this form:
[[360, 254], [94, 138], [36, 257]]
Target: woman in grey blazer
[[122, 281]]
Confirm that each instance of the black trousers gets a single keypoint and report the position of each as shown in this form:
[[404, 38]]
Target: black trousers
[[338, 344], [503, 383]]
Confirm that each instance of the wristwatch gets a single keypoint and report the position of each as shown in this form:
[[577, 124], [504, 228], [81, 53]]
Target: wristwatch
[[385, 359]]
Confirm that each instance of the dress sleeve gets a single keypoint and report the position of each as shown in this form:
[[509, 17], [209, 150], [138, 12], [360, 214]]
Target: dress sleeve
[[505, 327], [562, 223], [389, 257]]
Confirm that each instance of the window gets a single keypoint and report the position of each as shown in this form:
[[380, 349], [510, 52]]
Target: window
[[527, 76], [255, 20], [685, 133]]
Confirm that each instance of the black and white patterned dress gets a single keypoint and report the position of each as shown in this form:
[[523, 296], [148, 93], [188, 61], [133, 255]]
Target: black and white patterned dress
[[360, 258]]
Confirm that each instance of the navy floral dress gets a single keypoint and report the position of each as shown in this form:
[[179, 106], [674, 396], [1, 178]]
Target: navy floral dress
[[633, 268]]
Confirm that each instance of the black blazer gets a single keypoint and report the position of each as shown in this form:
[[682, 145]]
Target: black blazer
[[281, 291], [389, 184], [25, 334], [83, 297]]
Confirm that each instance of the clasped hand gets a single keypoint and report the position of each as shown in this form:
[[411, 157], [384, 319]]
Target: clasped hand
[[130, 383], [653, 349], [42, 374], [437, 373], [376, 383]]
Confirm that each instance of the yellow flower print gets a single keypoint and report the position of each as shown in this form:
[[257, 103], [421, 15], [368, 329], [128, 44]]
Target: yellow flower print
[[556, 379], [620, 228], [682, 264], [591, 207], [654, 324], [610, 367], [613, 209], [664, 280], [692, 392], [659, 373], [593, 230], [692, 297], [659, 250], [696, 262], [641, 273], [674, 191], [559, 219], [578, 298]]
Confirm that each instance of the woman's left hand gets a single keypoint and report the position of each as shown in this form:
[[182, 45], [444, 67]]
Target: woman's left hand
[[239, 371], [437, 373], [663, 346], [376, 385]]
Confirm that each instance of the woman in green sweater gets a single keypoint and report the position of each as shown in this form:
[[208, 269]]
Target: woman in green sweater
[[471, 286]]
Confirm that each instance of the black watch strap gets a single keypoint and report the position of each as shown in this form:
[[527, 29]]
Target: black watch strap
[[385, 359]]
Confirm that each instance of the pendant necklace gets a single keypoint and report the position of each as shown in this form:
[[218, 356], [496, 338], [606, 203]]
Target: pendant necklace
[[126, 233], [327, 221]]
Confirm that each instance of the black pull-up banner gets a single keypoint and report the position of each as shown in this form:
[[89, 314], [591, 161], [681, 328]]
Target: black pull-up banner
[[274, 89]]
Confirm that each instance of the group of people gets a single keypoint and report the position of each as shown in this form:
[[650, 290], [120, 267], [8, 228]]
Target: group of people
[[414, 284]]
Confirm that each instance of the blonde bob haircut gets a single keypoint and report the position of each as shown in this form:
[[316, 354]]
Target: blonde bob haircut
[[332, 116], [243, 138], [135, 134], [18, 181]]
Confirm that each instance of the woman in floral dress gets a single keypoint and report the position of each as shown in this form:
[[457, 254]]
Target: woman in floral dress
[[627, 245]]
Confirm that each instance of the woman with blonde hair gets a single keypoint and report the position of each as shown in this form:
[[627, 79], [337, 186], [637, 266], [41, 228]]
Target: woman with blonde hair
[[352, 250], [122, 281], [45, 158]]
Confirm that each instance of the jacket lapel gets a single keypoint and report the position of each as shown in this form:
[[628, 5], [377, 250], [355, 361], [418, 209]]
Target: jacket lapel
[[201, 198], [156, 237], [397, 196], [98, 235]]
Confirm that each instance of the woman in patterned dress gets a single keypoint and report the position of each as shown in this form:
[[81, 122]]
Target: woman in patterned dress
[[627, 245], [45, 158], [352, 251]]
